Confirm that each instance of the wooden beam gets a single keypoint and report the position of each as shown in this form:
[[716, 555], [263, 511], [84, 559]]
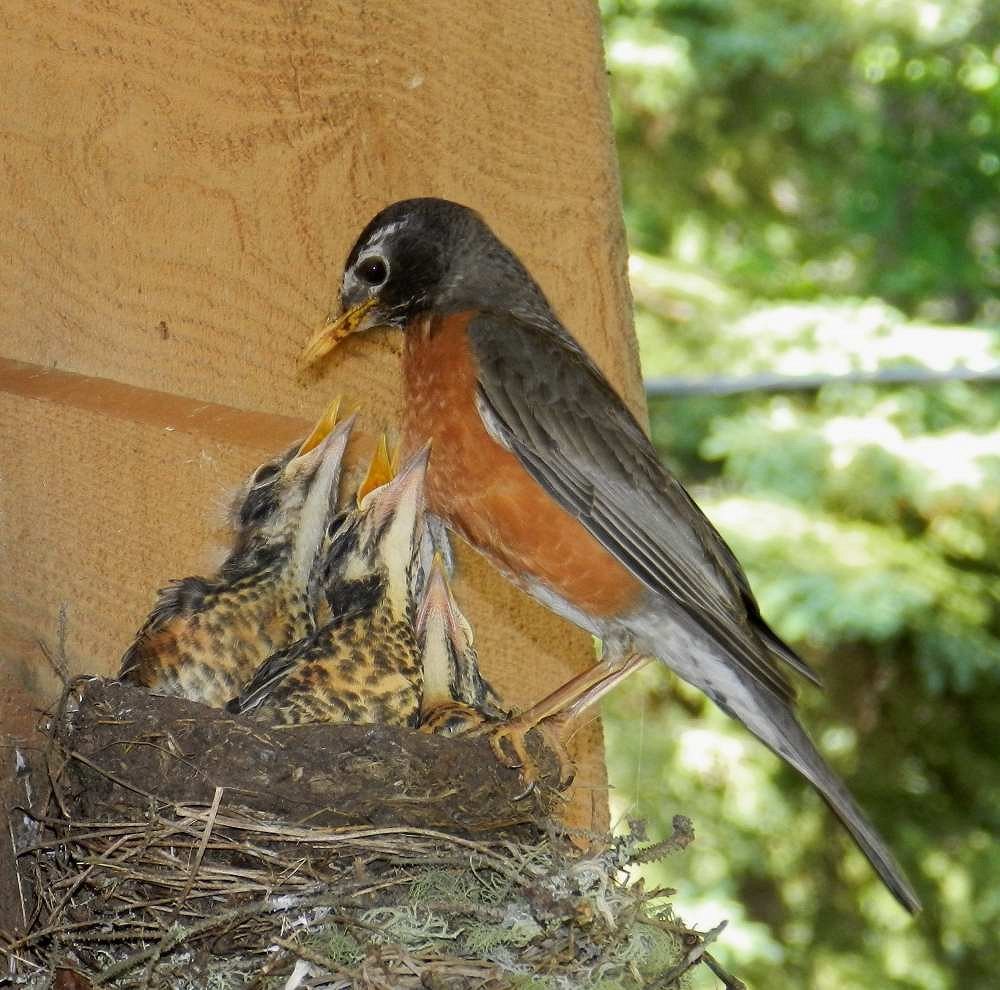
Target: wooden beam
[[183, 182], [150, 407]]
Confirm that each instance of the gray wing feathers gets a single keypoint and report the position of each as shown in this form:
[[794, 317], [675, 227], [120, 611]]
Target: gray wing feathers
[[267, 676], [541, 397]]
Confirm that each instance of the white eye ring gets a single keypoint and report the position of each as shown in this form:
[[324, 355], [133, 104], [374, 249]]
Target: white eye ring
[[373, 270]]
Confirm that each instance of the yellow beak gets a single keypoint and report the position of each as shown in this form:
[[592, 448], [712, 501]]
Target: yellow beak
[[319, 433], [381, 470], [335, 330]]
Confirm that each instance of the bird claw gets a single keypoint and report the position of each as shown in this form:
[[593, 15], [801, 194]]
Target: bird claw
[[508, 740], [531, 788]]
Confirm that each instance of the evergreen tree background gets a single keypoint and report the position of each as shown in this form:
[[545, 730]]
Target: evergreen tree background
[[813, 187]]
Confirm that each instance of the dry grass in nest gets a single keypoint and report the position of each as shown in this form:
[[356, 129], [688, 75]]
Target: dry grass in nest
[[147, 892]]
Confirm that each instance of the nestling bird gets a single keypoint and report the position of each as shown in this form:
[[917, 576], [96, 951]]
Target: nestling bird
[[455, 698], [206, 636], [382, 468], [540, 465], [362, 666]]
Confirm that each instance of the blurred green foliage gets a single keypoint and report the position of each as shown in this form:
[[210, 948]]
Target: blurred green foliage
[[814, 187], [809, 146]]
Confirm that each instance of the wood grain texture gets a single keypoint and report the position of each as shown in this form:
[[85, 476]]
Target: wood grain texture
[[183, 181], [180, 185]]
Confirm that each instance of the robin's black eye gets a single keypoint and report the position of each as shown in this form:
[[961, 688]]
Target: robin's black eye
[[373, 270]]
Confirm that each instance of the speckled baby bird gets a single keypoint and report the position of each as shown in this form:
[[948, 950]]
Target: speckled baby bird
[[206, 636], [456, 697], [382, 468], [363, 666]]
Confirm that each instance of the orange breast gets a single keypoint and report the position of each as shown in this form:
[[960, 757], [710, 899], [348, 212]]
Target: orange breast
[[483, 490]]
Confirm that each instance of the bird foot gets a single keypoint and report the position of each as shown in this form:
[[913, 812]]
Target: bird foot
[[452, 718], [508, 740]]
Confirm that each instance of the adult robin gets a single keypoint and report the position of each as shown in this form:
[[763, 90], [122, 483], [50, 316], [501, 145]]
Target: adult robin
[[540, 465], [455, 697], [205, 637], [363, 665]]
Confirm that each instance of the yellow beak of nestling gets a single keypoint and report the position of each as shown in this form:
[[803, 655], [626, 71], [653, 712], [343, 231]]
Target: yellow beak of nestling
[[382, 469], [335, 329], [322, 428]]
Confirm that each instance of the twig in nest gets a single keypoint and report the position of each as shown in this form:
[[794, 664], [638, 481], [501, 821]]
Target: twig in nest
[[268, 969], [729, 981], [681, 837], [17, 873], [182, 900], [59, 666], [13, 957], [266, 905], [57, 911], [692, 957], [315, 958]]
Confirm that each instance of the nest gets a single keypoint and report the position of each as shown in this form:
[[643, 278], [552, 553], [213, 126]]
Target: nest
[[158, 860]]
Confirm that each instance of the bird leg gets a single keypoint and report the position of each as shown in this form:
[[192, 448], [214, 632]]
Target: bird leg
[[553, 716], [613, 677]]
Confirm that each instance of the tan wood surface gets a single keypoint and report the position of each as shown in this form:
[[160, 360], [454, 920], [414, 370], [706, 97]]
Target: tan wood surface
[[181, 183]]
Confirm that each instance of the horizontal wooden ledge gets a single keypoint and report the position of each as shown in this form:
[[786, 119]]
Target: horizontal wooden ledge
[[149, 407]]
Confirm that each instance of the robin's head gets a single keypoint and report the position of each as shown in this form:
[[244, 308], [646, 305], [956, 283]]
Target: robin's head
[[373, 549], [284, 506], [422, 256]]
